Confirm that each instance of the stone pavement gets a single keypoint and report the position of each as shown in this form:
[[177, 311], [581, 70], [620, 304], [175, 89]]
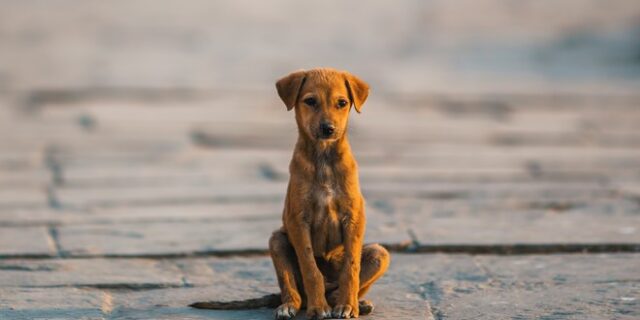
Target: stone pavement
[[129, 207]]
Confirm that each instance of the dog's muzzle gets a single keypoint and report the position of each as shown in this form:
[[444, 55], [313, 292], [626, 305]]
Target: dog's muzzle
[[327, 130]]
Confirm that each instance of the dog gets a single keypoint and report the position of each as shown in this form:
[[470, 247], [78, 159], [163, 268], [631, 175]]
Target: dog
[[318, 253]]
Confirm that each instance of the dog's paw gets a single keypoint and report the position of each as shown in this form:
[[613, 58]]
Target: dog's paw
[[318, 312], [345, 311], [285, 311], [365, 306]]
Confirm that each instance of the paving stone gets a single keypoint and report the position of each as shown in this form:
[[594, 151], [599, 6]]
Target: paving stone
[[527, 228], [554, 287], [446, 286], [163, 174], [561, 269], [479, 190], [26, 241], [207, 278], [97, 273], [250, 272], [385, 226], [53, 303], [190, 313], [513, 222], [37, 216], [226, 290], [28, 197], [13, 178], [208, 212], [166, 238], [169, 194]]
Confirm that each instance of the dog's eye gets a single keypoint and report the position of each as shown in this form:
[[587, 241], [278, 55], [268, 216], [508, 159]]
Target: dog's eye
[[342, 103], [310, 102]]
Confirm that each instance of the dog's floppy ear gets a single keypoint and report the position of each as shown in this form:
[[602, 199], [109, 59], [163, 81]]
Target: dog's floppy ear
[[289, 88], [358, 90]]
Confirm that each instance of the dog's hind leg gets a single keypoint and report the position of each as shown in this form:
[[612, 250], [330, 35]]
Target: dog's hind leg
[[375, 261], [289, 278]]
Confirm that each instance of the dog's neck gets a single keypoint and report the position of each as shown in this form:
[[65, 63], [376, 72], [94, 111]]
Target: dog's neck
[[322, 152]]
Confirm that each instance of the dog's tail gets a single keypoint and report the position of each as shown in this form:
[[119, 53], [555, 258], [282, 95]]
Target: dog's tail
[[268, 301]]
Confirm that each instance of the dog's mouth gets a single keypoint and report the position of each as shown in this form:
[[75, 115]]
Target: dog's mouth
[[326, 136]]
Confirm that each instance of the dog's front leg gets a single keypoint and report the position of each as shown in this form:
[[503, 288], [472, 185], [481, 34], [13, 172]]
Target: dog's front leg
[[313, 281], [349, 280]]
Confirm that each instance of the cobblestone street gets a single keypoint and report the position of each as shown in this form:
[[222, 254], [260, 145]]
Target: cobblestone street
[[131, 195]]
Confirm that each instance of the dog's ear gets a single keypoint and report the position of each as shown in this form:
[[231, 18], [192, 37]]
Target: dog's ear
[[289, 88], [358, 90]]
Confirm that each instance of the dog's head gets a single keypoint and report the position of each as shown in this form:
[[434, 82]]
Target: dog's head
[[322, 99]]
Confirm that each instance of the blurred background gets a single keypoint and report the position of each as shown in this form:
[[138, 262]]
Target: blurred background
[[152, 129], [407, 46]]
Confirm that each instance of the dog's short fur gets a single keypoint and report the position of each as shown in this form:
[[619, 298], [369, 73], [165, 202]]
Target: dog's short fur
[[318, 253]]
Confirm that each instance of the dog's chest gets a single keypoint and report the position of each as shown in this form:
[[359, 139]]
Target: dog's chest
[[326, 187], [326, 225]]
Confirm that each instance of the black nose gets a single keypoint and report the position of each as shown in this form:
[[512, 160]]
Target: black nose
[[327, 129]]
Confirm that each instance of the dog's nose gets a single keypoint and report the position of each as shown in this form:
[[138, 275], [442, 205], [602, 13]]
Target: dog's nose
[[327, 129]]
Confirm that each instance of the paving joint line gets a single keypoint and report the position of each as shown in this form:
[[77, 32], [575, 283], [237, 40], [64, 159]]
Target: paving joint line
[[52, 232], [501, 249], [52, 162]]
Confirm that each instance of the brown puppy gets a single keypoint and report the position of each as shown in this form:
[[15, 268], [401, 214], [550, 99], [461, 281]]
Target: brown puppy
[[318, 254]]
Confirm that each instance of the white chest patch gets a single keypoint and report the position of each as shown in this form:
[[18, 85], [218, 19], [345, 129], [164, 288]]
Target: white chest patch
[[324, 195]]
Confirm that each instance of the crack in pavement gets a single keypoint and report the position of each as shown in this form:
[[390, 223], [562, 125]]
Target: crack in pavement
[[491, 249]]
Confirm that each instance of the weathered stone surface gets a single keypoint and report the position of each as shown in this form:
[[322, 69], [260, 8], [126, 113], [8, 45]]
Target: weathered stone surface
[[473, 191], [150, 174], [519, 221], [197, 212], [205, 279], [170, 194], [526, 228], [96, 273], [29, 216], [192, 314], [248, 271], [385, 225], [53, 303], [29, 197], [416, 287], [166, 238], [553, 287], [26, 241], [21, 178]]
